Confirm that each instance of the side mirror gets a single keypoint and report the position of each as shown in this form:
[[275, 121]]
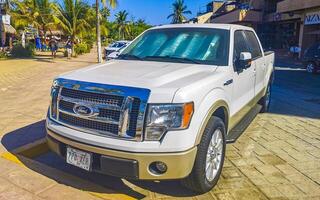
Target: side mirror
[[244, 61]]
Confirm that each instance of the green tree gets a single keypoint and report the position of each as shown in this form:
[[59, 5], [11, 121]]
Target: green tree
[[179, 12], [113, 4], [122, 24], [71, 16], [137, 27], [37, 13]]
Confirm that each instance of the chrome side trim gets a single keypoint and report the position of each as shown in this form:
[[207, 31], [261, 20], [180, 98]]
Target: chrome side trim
[[125, 117], [58, 101]]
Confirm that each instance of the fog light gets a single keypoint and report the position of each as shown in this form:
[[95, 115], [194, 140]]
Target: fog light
[[161, 167], [158, 167]]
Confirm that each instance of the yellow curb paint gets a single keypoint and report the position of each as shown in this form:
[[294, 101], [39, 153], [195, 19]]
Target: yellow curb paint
[[38, 150], [112, 196], [11, 157]]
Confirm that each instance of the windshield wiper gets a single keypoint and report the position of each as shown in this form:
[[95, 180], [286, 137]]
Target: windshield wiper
[[129, 56], [184, 60]]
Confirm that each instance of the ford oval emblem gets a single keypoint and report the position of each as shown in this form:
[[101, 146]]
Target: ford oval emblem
[[83, 110]]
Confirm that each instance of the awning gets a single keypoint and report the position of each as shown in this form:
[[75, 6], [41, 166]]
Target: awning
[[317, 32], [55, 32], [9, 29]]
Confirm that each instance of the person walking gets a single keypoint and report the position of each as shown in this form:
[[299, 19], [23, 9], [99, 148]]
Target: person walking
[[53, 47], [38, 43], [69, 45]]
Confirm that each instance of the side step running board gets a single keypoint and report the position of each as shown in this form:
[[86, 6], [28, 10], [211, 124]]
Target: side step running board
[[236, 132]]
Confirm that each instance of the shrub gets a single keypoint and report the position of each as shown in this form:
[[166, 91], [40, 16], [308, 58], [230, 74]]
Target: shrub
[[18, 51], [3, 55], [82, 48]]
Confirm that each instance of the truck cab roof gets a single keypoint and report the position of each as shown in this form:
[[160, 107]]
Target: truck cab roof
[[216, 26]]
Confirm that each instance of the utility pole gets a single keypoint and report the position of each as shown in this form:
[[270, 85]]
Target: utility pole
[[98, 33], [2, 6]]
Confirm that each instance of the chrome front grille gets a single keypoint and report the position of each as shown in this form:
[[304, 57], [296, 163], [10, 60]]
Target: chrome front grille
[[106, 110], [92, 97]]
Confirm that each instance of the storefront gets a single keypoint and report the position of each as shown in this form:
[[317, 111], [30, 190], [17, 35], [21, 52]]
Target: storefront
[[310, 31], [280, 30], [6, 31]]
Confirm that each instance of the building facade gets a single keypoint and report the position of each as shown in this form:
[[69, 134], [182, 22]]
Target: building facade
[[279, 23], [6, 30]]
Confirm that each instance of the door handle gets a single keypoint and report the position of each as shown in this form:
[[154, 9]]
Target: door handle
[[228, 82]]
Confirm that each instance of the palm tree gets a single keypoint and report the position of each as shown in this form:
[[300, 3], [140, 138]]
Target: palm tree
[[137, 27], [179, 10], [71, 16], [122, 24], [37, 13], [113, 4]]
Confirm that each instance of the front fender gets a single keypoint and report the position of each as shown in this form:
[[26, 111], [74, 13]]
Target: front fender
[[213, 100]]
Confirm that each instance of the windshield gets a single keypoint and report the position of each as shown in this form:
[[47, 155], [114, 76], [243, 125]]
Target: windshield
[[190, 45]]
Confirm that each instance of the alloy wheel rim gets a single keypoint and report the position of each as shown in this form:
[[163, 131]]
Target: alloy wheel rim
[[310, 68], [214, 155]]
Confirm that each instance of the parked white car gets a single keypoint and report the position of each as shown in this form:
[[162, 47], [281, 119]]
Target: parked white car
[[114, 48], [166, 108], [115, 54]]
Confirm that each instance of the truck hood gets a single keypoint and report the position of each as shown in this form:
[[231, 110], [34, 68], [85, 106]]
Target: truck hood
[[162, 78]]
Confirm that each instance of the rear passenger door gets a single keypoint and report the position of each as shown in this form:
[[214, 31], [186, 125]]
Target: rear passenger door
[[244, 80], [258, 61]]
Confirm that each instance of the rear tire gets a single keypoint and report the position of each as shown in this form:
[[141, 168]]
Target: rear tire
[[266, 100], [210, 158]]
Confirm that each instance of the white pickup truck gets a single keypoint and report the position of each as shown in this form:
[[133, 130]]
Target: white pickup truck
[[166, 108]]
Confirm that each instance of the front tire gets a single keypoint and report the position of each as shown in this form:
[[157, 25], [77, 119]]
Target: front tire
[[210, 158]]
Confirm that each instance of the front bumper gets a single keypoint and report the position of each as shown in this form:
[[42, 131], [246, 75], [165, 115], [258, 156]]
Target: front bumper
[[128, 164]]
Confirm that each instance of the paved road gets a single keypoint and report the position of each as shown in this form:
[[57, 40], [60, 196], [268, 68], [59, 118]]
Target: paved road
[[278, 157]]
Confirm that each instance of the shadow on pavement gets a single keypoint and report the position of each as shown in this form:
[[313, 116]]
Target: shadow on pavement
[[296, 93], [24, 136], [54, 167]]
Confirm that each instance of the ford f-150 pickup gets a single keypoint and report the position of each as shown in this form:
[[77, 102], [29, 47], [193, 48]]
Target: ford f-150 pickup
[[166, 108]]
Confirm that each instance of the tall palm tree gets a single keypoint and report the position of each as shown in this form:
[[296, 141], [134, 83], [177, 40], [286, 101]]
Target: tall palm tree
[[113, 4], [71, 16], [179, 10], [122, 24]]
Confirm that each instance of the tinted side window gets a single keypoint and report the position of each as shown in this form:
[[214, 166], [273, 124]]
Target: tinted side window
[[253, 44], [240, 44]]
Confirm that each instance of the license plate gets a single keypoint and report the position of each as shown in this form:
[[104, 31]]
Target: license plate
[[79, 158]]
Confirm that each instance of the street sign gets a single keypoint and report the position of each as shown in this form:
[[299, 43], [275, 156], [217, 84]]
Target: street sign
[[312, 18], [6, 19]]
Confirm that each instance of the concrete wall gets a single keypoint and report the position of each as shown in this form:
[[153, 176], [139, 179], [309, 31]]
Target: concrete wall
[[257, 4], [292, 5], [237, 16], [205, 18]]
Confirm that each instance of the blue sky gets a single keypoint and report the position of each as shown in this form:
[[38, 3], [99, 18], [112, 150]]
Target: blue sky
[[155, 12]]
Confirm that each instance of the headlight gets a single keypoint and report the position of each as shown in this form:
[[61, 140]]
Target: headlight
[[164, 117]]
